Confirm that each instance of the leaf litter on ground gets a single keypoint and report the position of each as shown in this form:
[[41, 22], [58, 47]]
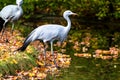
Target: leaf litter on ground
[[38, 72]]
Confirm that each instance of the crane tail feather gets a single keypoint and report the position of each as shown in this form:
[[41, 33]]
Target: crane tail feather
[[27, 41], [25, 44], [23, 47], [1, 23]]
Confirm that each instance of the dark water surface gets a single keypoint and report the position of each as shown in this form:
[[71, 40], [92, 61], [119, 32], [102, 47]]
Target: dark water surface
[[91, 68], [107, 35]]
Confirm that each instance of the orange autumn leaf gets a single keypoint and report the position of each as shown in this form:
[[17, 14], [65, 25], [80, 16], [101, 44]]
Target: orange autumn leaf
[[31, 74], [40, 63]]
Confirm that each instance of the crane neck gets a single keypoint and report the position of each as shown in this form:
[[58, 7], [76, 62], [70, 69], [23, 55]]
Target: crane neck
[[68, 24], [18, 5], [19, 2]]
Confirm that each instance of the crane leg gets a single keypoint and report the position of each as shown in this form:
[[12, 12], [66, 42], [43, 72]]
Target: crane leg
[[53, 53], [12, 28], [60, 47], [4, 27], [45, 47], [3, 30]]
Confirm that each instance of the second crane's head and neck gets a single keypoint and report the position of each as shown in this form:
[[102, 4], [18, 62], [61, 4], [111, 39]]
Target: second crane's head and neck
[[66, 15], [19, 2]]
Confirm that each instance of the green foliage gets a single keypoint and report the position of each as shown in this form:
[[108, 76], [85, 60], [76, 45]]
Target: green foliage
[[24, 30], [86, 8], [16, 62]]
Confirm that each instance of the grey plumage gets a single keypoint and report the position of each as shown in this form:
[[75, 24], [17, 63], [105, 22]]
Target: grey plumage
[[10, 13], [49, 33], [46, 33]]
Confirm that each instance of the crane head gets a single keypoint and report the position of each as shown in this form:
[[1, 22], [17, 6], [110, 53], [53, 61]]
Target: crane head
[[68, 12], [19, 2]]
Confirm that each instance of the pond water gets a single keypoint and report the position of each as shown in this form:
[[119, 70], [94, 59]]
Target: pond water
[[90, 68]]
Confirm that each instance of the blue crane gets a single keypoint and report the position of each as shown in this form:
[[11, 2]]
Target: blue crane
[[49, 33], [10, 13]]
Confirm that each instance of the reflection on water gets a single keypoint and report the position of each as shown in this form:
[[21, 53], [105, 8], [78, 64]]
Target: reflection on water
[[90, 68], [96, 35]]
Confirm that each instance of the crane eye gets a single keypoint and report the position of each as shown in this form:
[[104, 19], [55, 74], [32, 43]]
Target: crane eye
[[69, 12]]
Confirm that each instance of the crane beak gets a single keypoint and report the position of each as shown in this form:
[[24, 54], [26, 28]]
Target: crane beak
[[75, 14]]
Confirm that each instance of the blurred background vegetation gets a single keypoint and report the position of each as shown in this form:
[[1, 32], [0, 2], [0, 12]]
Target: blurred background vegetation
[[100, 15], [93, 9], [90, 12]]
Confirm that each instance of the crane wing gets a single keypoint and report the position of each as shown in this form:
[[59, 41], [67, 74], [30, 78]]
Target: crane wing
[[50, 32], [8, 12]]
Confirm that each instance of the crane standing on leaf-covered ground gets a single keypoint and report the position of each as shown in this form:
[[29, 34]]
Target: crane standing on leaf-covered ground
[[10, 13], [49, 33]]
